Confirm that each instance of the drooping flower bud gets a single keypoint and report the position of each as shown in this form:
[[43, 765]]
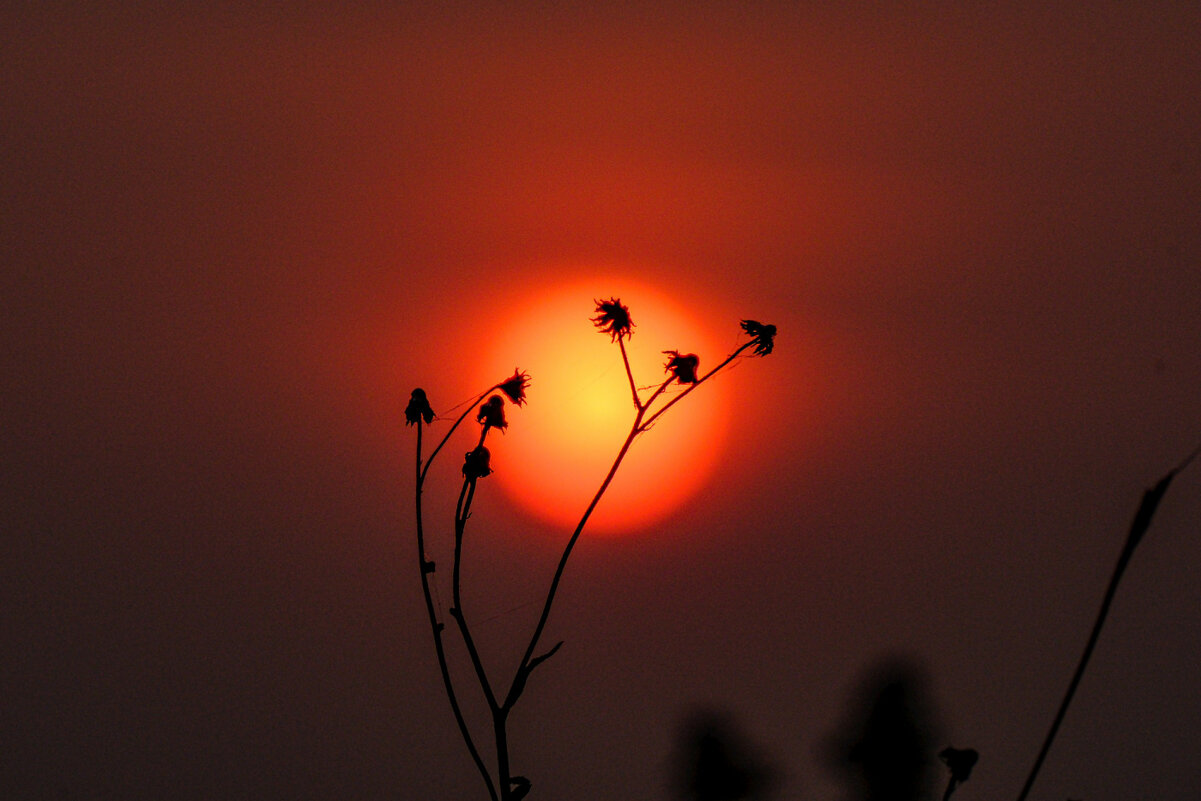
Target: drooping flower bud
[[492, 413], [418, 408], [475, 463]]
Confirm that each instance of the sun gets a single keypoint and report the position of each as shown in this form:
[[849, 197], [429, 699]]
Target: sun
[[560, 445]]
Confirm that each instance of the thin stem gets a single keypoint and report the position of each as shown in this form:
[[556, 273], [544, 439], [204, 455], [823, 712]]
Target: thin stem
[[425, 568], [625, 359]]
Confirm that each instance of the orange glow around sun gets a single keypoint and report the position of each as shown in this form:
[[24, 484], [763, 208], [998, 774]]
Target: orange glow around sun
[[560, 445]]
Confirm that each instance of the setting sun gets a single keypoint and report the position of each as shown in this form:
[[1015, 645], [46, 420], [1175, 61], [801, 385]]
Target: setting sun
[[558, 448]]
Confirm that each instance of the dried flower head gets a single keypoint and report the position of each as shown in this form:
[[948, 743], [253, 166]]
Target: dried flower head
[[613, 318], [515, 386], [418, 408], [682, 366], [763, 336], [475, 463], [492, 413]]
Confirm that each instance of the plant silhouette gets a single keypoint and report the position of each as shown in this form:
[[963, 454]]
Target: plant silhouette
[[611, 318], [885, 750]]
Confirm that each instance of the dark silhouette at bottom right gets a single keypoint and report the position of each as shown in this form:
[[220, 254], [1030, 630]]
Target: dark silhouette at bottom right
[[884, 748]]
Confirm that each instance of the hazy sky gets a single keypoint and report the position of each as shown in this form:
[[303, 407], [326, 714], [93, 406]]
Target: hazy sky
[[234, 239]]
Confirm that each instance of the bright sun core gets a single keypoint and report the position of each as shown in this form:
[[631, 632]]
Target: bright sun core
[[560, 445]]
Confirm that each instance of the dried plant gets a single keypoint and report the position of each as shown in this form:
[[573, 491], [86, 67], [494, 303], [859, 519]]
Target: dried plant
[[612, 318]]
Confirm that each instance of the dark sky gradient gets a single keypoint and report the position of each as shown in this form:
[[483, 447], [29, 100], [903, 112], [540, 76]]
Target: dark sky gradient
[[234, 239]]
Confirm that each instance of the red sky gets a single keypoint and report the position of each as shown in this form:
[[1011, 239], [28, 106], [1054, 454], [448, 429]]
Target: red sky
[[234, 239]]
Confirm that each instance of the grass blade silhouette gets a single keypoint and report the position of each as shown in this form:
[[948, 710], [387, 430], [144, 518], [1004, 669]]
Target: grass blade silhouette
[[1138, 527]]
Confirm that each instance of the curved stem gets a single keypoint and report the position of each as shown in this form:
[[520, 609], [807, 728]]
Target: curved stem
[[425, 567]]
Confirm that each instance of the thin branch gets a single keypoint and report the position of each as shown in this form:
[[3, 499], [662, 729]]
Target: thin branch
[[523, 674], [438, 628], [538, 660], [625, 359]]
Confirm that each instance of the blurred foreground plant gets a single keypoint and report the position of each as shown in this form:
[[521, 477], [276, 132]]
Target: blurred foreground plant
[[612, 318]]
